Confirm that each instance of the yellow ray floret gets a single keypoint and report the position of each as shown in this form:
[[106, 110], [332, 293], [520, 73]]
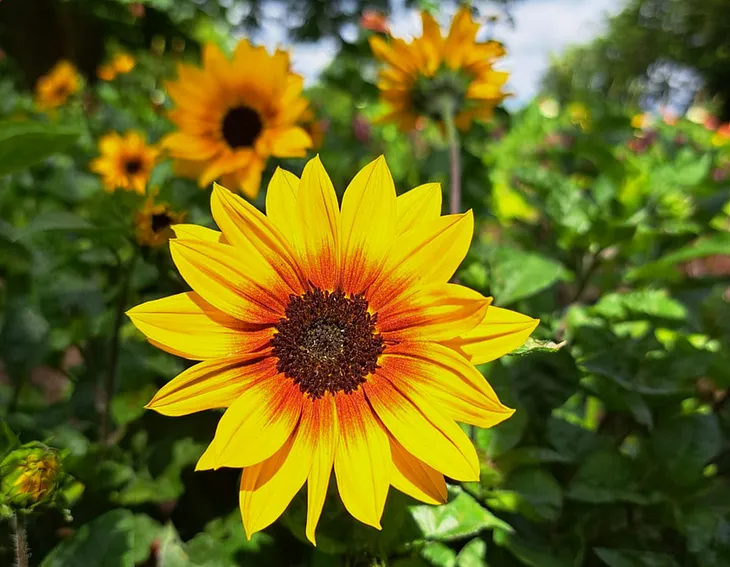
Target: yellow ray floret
[[332, 337]]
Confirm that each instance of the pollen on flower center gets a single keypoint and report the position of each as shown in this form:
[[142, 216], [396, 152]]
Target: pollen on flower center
[[241, 126], [133, 166], [327, 342]]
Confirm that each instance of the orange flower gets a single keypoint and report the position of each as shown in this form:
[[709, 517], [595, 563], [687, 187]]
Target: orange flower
[[54, 88], [374, 21]]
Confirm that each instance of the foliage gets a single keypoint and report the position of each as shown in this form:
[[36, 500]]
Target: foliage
[[617, 238]]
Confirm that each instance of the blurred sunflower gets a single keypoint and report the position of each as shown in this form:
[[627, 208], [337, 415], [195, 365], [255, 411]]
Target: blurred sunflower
[[154, 223], [120, 64], [234, 113], [333, 339], [54, 88], [431, 72], [126, 162]]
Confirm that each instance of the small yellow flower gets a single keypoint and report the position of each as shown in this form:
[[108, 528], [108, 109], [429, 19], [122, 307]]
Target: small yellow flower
[[721, 137], [54, 88], [106, 72], [154, 223], [38, 476], [120, 64], [29, 475], [643, 120], [333, 339], [233, 114], [126, 162], [421, 72]]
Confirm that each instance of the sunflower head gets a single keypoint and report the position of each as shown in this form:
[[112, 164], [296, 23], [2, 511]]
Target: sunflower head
[[126, 162], [154, 223], [333, 339], [54, 88], [29, 475], [234, 113], [432, 72]]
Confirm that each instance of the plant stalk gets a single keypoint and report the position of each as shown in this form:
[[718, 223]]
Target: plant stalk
[[452, 137], [20, 541]]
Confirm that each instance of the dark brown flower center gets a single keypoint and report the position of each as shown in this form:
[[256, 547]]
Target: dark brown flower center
[[327, 342], [133, 166], [241, 126], [160, 221]]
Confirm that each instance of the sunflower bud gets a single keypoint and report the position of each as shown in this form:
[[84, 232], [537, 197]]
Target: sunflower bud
[[30, 476]]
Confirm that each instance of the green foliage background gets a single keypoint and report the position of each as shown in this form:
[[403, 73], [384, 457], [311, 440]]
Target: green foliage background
[[618, 239]]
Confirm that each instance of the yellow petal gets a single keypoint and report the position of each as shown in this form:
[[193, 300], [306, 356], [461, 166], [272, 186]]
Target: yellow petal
[[414, 477], [501, 332], [426, 254], [362, 459], [249, 230], [421, 204], [267, 488], [187, 326], [319, 218], [245, 288], [292, 141], [326, 427], [445, 377], [186, 146], [208, 385], [436, 312], [368, 225], [281, 200], [420, 428], [196, 232], [258, 423]]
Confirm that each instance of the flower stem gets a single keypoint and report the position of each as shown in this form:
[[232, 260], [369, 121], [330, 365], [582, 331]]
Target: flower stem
[[110, 386], [20, 540], [452, 137]]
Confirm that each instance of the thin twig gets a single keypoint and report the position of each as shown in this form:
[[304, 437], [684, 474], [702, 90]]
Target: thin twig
[[110, 386], [20, 540]]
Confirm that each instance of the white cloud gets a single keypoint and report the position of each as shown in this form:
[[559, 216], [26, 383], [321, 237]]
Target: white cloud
[[542, 28]]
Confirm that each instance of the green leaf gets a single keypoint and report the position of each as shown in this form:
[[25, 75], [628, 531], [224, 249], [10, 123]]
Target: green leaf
[[666, 266], [55, 220], [516, 274], [690, 170], [8, 439], [606, 476], [571, 441], [534, 553], [23, 338], [438, 554], [473, 554], [459, 518], [541, 497], [645, 302], [537, 345], [631, 558], [107, 541], [13, 255], [684, 445], [25, 143]]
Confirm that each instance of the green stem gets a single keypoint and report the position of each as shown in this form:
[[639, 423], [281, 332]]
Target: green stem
[[20, 540], [110, 386], [452, 137]]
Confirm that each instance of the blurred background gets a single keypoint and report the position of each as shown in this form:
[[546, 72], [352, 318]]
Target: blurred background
[[601, 193]]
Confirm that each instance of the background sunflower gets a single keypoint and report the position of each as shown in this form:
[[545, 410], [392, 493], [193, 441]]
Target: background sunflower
[[126, 162]]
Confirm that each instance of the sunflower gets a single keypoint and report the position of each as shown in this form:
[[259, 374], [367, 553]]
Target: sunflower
[[234, 113], [120, 64], [424, 74], [154, 223], [54, 88], [333, 340], [126, 162]]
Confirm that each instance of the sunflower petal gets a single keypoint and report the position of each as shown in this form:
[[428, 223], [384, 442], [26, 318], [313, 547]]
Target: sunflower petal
[[250, 291], [362, 459], [414, 477], [268, 487], [208, 385], [289, 141], [319, 219], [188, 326], [444, 376], [281, 200], [421, 204], [368, 224], [196, 232], [326, 427], [501, 332], [422, 430], [436, 312], [258, 423]]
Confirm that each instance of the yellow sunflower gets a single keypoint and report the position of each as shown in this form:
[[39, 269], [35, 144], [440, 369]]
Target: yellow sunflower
[[333, 339], [424, 74], [234, 113], [154, 223], [126, 162], [54, 88]]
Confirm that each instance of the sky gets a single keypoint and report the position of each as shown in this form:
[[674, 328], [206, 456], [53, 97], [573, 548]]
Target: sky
[[543, 28]]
